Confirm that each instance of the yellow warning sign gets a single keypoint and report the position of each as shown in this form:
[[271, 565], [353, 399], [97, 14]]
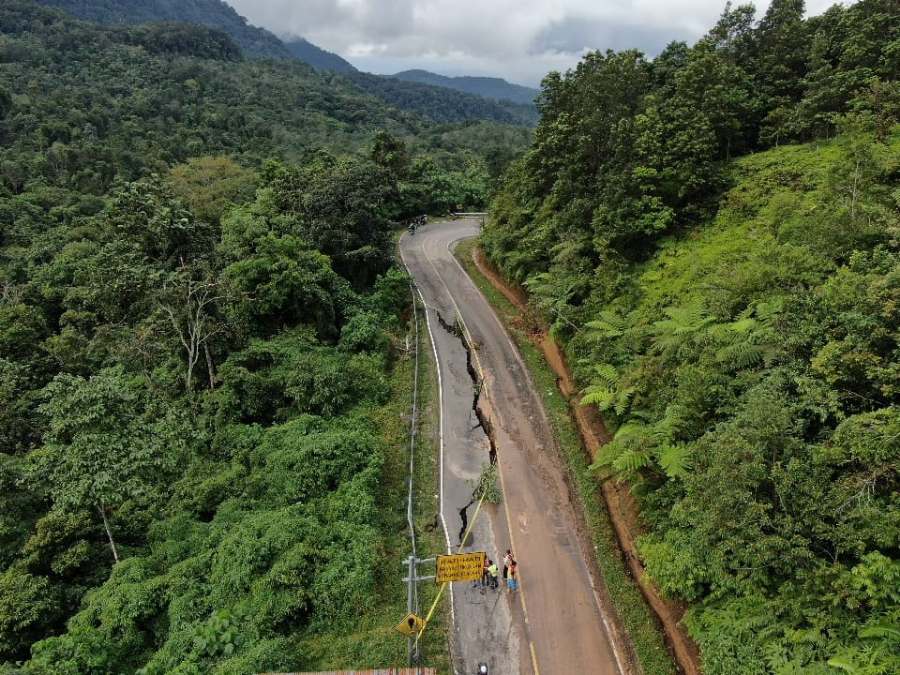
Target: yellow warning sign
[[411, 626], [460, 567]]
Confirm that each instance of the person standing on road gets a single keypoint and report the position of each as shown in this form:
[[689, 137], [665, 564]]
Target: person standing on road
[[493, 571], [485, 572], [512, 583], [507, 561]]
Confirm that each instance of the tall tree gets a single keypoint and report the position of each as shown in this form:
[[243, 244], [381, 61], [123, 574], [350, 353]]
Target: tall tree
[[104, 446]]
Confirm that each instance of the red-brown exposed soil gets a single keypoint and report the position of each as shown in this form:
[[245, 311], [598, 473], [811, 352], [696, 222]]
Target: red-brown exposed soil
[[623, 510]]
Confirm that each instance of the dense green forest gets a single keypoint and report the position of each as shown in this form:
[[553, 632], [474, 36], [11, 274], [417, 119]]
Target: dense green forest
[[202, 372], [714, 235], [84, 104], [442, 104], [216, 14], [435, 103]]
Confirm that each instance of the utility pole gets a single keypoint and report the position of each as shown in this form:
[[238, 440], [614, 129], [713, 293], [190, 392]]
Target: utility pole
[[413, 561], [412, 599]]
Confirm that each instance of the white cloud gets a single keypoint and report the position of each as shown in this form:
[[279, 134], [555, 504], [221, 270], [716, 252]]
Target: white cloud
[[517, 39]]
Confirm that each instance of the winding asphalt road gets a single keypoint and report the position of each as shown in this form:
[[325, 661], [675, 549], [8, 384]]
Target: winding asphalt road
[[555, 624]]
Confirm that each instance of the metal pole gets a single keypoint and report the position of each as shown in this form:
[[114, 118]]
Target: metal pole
[[411, 589], [410, 605]]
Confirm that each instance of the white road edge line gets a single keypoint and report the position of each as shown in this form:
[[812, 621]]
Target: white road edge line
[[540, 405]]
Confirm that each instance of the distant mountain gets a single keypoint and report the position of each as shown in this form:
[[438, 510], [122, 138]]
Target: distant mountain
[[211, 13], [318, 58], [489, 87], [441, 104]]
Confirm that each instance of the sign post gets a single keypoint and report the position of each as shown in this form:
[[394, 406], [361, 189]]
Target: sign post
[[460, 567], [412, 625]]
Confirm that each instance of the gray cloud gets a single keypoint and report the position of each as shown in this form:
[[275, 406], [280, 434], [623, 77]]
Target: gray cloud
[[576, 34], [520, 40]]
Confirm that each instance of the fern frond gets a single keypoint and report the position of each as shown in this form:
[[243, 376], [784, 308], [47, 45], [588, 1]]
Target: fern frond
[[608, 324], [606, 455], [881, 630], [607, 374], [844, 664], [720, 333], [767, 310], [674, 459], [623, 399], [742, 326], [632, 429], [741, 355], [599, 396], [671, 424], [630, 462], [666, 342], [685, 319]]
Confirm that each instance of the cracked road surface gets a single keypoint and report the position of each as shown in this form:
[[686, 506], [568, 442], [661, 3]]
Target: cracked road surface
[[555, 624]]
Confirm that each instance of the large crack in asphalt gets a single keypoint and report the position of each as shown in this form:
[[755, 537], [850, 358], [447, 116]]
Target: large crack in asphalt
[[477, 382]]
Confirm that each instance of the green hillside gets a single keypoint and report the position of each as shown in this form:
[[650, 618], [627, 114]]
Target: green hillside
[[750, 370], [436, 104], [87, 104], [714, 236], [441, 104], [210, 13]]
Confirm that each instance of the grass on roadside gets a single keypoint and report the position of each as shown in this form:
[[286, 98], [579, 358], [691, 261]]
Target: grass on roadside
[[636, 617], [373, 642]]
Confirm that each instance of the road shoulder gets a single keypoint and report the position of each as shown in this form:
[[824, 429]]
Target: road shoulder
[[645, 642]]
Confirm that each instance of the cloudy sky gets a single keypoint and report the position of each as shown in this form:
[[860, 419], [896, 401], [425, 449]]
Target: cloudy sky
[[520, 40]]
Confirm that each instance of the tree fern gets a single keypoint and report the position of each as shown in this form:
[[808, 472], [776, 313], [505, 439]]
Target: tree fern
[[674, 459], [726, 332], [741, 355], [623, 400], [683, 323], [608, 325], [606, 455], [607, 374], [630, 462], [881, 630], [602, 397]]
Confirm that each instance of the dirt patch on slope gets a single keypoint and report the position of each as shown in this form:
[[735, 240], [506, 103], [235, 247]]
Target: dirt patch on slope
[[620, 503]]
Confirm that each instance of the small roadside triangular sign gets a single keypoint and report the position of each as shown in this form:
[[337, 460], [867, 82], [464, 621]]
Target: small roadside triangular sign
[[411, 626]]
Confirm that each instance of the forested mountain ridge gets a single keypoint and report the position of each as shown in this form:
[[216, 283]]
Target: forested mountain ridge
[[201, 366], [210, 13], [87, 104], [318, 58], [437, 104], [714, 236], [489, 87], [441, 104]]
